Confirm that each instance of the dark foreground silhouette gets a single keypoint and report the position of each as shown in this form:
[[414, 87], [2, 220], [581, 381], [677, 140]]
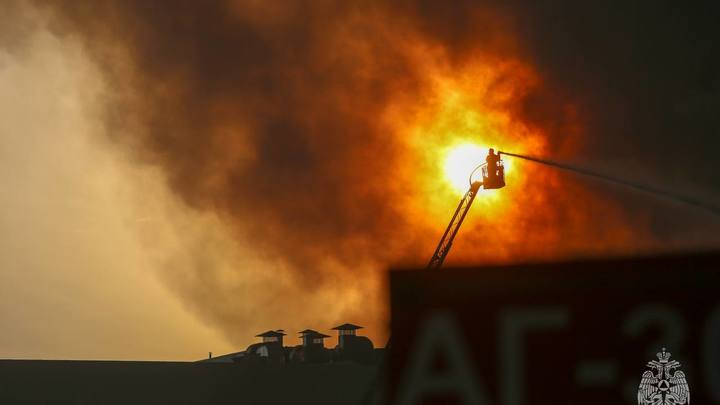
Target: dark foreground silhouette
[[267, 372], [141, 382]]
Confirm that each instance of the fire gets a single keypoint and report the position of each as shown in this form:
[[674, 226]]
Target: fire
[[465, 110], [460, 161], [338, 156]]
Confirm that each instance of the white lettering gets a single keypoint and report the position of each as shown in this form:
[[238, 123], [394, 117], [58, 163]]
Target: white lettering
[[513, 324], [440, 337]]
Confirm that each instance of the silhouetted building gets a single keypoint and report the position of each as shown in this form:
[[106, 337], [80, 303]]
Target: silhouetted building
[[312, 349], [270, 350], [345, 330], [225, 358], [312, 337], [272, 336], [351, 347]]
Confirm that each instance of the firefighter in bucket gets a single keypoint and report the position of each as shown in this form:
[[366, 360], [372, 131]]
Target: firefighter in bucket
[[494, 175]]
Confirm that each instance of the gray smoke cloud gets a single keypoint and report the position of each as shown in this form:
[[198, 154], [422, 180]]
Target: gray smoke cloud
[[270, 116]]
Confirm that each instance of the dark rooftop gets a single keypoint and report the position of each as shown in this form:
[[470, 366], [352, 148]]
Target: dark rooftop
[[347, 326], [313, 333], [271, 333]]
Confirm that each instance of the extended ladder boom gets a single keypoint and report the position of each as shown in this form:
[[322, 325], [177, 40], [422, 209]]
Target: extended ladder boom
[[445, 244]]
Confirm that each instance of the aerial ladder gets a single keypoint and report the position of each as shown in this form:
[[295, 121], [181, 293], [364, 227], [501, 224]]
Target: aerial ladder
[[493, 177]]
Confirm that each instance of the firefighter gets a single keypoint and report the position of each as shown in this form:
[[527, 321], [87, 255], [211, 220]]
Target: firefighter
[[492, 163]]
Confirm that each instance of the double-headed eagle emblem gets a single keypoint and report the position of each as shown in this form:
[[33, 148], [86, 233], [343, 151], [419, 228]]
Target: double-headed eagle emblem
[[665, 387]]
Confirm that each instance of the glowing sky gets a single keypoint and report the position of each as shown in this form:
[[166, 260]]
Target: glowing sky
[[77, 279], [174, 180]]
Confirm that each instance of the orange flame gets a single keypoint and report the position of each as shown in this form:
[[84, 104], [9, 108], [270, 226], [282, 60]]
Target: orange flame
[[464, 112]]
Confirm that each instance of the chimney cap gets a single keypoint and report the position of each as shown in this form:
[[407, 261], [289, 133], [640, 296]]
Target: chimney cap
[[313, 333], [271, 333], [347, 326]]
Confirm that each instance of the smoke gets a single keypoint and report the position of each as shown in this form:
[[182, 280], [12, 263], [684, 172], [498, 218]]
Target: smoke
[[75, 280], [314, 131]]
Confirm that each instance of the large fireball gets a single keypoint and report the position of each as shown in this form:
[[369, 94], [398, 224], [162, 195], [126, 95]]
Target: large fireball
[[466, 110], [461, 160]]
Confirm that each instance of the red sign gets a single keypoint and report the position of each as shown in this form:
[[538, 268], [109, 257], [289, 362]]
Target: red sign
[[580, 332]]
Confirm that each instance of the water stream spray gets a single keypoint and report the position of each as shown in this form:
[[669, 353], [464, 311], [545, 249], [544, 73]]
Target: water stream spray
[[636, 186]]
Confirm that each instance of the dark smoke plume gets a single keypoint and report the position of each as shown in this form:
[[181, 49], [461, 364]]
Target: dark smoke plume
[[271, 115]]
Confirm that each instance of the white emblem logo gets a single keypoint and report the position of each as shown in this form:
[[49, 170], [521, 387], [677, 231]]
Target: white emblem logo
[[665, 387]]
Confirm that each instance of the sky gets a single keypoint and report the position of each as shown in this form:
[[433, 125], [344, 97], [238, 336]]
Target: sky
[[178, 179], [78, 273]]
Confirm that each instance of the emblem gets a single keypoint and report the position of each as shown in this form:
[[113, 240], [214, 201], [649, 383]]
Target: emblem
[[666, 387]]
